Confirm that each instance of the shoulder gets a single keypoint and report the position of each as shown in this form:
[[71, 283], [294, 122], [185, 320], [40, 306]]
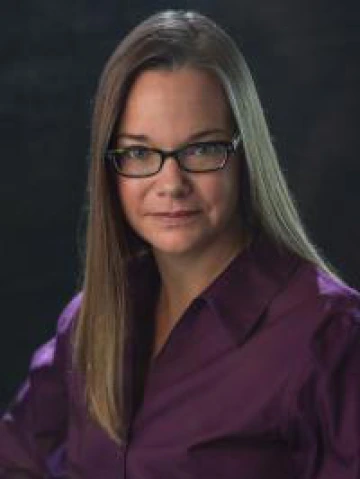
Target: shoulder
[[337, 333], [69, 313], [324, 313], [311, 289], [301, 294], [55, 350]]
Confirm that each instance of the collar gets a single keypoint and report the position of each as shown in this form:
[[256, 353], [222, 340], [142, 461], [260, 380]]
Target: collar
[[241, 294]]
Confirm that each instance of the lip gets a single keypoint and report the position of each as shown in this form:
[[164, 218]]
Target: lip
[[176, 219], [176, 214]]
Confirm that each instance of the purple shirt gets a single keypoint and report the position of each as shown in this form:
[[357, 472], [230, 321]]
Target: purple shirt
[[260, 378]]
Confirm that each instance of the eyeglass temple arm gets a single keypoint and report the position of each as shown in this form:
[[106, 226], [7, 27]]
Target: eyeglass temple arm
[[236, 140]]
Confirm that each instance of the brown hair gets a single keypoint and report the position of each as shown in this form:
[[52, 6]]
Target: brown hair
[[168, 39]]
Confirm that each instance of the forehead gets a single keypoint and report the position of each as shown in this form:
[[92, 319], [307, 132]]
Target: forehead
[[176, 101]]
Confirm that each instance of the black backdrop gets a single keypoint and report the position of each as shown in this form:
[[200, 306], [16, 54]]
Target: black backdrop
[[304, 55]]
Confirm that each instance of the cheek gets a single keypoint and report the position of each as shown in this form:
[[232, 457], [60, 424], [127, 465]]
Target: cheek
[[232, 183], [130, 197], [221, 193]]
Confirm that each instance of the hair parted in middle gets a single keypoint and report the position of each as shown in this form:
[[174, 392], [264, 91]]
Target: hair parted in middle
[[167, 40]]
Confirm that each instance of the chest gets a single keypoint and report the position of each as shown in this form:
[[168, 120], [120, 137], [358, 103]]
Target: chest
[[209, 409]]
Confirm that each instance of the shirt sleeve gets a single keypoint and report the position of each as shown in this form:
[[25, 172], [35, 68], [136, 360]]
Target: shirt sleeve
[[326, 408], [33, 429]]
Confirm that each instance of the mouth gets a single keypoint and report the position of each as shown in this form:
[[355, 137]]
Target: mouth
[[176, 214], [176, 219]]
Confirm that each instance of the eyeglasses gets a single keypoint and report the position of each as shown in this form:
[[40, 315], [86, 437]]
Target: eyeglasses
[[201, 157]]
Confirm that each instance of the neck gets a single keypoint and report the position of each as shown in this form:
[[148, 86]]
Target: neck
[[183, 277]]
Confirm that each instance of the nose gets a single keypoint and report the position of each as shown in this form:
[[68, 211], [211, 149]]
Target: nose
[[172, 181]]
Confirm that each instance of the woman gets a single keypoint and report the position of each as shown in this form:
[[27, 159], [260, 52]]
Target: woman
[[210, 339]]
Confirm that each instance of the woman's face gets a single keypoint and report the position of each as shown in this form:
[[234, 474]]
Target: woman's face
[[174, 211]]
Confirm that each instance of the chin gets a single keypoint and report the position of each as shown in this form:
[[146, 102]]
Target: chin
[[181, 243], [175, 250], [175, 247]]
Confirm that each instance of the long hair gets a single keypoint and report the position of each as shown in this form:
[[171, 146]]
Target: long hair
[[168, 39]]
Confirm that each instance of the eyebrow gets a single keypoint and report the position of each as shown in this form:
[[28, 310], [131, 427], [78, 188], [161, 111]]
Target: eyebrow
[[195, 136]]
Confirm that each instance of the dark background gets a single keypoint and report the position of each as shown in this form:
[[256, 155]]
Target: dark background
[[305, 59]]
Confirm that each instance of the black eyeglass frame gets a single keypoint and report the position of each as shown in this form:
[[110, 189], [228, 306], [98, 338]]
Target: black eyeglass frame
[[231, 147]]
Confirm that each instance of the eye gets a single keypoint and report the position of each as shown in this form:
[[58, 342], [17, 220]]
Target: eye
[[136, 153], [205, 149]]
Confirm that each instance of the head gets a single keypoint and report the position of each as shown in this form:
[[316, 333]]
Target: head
[[166, 44], [172, 41]]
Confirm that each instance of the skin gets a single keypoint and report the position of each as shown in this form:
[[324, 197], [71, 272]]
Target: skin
[[167, 109]]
